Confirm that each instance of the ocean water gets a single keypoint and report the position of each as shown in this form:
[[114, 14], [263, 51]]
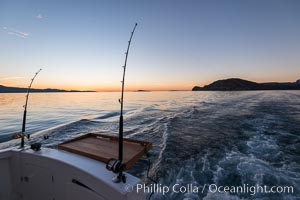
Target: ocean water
[[199, 138]]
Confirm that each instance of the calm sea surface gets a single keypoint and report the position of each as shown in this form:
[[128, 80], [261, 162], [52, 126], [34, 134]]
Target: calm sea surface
[[225, 138]]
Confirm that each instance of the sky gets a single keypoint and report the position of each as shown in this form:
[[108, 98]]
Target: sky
[[177, 44]]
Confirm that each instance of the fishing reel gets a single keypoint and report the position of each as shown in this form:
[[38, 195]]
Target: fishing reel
[[116, 167]]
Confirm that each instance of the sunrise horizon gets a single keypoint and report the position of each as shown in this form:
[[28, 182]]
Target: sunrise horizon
[[130, 87]]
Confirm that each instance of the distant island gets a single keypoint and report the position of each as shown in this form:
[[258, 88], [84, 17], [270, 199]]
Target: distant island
[[142, 90], [5, 89], [237, 84]]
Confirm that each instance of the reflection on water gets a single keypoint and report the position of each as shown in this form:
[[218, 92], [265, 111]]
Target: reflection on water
[[47, 110], [226, 138]]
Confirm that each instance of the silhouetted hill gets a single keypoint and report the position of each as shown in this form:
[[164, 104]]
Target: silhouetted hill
[[233, 84], [4, 89]]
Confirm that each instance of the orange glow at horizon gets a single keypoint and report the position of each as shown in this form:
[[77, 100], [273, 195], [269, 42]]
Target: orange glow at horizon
[[116, 87], [135, 82], [105, 88]]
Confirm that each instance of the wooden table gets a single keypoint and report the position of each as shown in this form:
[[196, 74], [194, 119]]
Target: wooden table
[[104, 147]]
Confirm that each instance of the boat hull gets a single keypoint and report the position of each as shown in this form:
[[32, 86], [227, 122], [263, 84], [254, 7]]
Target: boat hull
[[56, 174]]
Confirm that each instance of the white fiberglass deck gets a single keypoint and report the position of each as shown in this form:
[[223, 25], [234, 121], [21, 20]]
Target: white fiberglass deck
[[52, 174]]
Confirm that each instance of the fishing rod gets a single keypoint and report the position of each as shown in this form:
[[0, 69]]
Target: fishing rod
[[25, 109], [117, 165], [122, 99]]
